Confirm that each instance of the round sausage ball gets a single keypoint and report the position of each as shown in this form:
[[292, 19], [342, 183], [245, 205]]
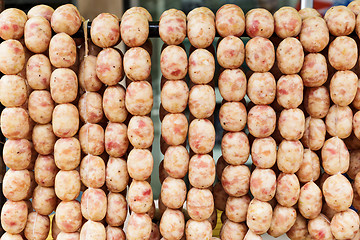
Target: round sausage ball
[[105, 30], [320, 226], [14, 217], [235, 148], [134, 29], [67, 19], [173, 192], [173, 63], [114, 104], [260, 54], [44, 200], [92, 171], [17, 154], [314, 72], [230, 52], [88, 80], [289, 156], [317, 101], [232, 116], [139, 98], [172, 224], [117, 176], [12, 57], [116, 209], [310, 167], [201, 171], [231, 230], [12, 23], [41, 10], [287, 22], [174, 96], [339, 121], [345, 225], [140, 196], [263, 152], [310, 200], [291, 124], [335, 156], [67, 153], [263, 184], [93, 204], [62, 51], [67, 185], [287, 189], [16, 184], [201, 66], [201, 136], [38, 71], [259, 22], [37, 34], [176, 161], [137, 64], [43, 138], [236, 180], [259, 215], [261, 121], [116, 141], [93, 231], [340, 20], [283, 219], [343, 87], [290, 56], [338, 192], [202, 101], [37, 226], [232, 84], [261, 88], [109, 66], [13, 91], [40, 106], [140, 164], [141, 131], [139, 226], [308, 12], [343, 53], [90, 107], [172, 27], [289, 91], [230, 20], [314, 35], [195, 29], [92, 139], [198, 230]]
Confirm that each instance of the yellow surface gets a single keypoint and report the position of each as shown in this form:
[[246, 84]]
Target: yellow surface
[[50, 236], [216, 231]]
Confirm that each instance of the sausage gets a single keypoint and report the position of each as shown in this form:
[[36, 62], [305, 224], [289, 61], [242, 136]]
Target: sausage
[[201, 136], [172, 224], [173, 62], [335, 156], [109, 66], [44, 200], [289, 55], [287, 189], [37, 34], [263, 184], [37, 226], [140, 164], [114, 104], [176, 161], [92, 139], [41, 10], [202, 101], [90, 107], [198, 230], [12, 23], [174, 96], [68, 236], [259, 216], [354, 166], [62, 51], [308, 12], [345, 225], [314, 72], [140, 196], [236, 208], [67, 185], [93, 230], [137, 64], [310, 200], [232, 116], [201, 171], [105, 30], [140, 10], [310, 167], [259, 22], [63, 85], [299, 229], [92, 171], [338, 192], [314, 34], [287, 22], [232, 85], [343, 87], [15, 123], [172, 26], [291, 124], [88, 79], [342, 53], [139, 98], [230, 52], [230, 20], [231, 230], [45, 170], [8, 236], [17, 154], [134, 29], [13, 92], [289, 92], [12, 55], [14, 216], [319, 227], [139, 226], [261, 88], [283, 219], [174, 129], [317, 101], [117, 176], [354, 7], [290, 156], [339, 121], [235, 148], [260, 54], [173, 192], [236, 180], [141, 131], [116, 209], [116, 141], [261, 121], [67, 153], [93, 204], [65, 120], [40, 106], [67, 19], [340, 20], [263, 152], [201, 66], [38, 71], [197, 22]]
